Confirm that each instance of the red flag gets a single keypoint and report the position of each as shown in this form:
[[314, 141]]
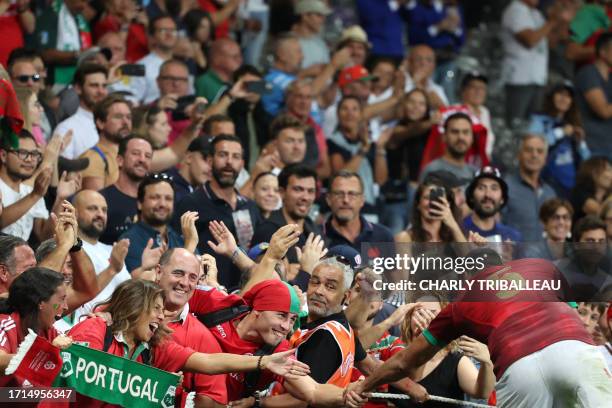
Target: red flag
[[11, 119], [435, 145], [37, 360]]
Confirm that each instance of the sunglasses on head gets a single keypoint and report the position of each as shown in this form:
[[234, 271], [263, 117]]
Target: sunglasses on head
[[24, 78], [342, 259], [160, 176]]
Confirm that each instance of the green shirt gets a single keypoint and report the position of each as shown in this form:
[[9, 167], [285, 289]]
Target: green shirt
[[210, 86], [589, 19]]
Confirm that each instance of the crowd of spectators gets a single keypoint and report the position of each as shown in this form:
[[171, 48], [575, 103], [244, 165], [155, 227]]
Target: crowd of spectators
[[248, 132]]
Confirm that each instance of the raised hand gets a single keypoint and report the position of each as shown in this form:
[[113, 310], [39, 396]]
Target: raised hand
[[68, 185], [312, 251], [118, 254], [285, 364], [209, 265], [150, 256], [474, 348], [226, 242], [42, 182], [283, 239], [190, 232]]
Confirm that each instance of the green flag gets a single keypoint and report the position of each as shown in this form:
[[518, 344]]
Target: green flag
[[115, 380]]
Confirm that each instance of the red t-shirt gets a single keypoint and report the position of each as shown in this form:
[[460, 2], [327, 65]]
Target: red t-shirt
[[382, 350], [514, 328], [136, 45], [203, 302], [10, 337], [11, 32], [193, 334], [168, 356], [221, 30]]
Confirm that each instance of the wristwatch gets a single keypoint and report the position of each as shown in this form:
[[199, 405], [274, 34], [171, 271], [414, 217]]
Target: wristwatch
[[257, 403], [77, 247]]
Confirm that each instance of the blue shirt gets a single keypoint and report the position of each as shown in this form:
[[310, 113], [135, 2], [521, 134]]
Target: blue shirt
[[384, 26], [507, 233], [374, 240], [422, 22], [523, 208], [139, 234], [274, 101]]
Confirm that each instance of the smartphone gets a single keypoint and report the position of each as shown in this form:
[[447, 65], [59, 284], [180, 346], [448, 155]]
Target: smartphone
[[181, 104], [200, 108], [436, 194], [258, 87], [135, 70]]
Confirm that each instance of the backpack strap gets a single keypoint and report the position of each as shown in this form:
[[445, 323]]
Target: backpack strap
[[102, 155], [223, 315], [251, 379]]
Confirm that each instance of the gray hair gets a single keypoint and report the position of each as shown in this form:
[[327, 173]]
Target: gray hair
[[44, 249], [347, 271], [531, 135], [8, 243]]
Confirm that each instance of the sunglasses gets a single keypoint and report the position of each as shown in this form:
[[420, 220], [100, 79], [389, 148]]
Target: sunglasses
[[25, 78], [159, 176]]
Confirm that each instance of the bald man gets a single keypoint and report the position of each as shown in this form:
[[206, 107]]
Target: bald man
[[225, 58], [108, 260], [421, 66], [288, 58]]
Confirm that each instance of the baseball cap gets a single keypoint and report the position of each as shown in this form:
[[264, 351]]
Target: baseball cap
[[312, 6], [347, 252], [273, 295], [258, 250], [352, 74], [486, 172]]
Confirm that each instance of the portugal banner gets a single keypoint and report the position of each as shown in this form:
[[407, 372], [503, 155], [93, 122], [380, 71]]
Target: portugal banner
[[95, 374]]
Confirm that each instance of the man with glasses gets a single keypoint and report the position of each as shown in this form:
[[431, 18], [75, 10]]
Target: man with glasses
[[162, 39], [90, 86], [346, 226], [173, 84], [24, 206]]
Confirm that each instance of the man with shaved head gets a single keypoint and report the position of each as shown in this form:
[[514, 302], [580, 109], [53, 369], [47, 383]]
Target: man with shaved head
[[108, 260], [178, 273], [225, 58]]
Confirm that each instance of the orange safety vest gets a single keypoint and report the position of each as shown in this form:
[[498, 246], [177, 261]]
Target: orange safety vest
[[345, 338]]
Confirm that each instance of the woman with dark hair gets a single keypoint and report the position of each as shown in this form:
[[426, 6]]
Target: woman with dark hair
[[433, 220], [593, 187], [37, 298], [200, 32], [561, 125], [136, 309], [556, 218]]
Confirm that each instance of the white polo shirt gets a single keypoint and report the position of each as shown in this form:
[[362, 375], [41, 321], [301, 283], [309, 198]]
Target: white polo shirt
[[22, 228]]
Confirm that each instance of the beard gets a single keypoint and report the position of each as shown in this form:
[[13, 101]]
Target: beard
[[16, 174], [118, 136], [224, 180], [91, 230], [155, 221], [486, 213]]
